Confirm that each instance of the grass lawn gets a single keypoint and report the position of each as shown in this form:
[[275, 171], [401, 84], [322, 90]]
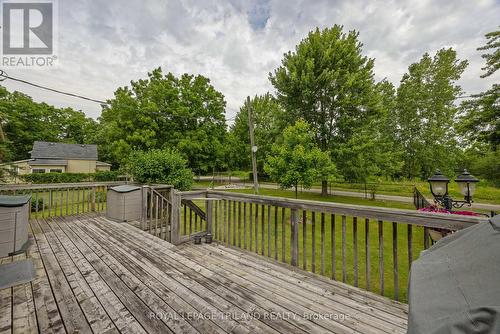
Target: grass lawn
[[484, 192], [317, 197], [270, 225]]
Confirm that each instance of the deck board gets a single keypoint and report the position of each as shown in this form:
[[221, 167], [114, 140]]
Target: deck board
[[98, 276]]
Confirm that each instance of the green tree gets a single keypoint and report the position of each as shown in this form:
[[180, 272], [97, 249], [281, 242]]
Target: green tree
[[426, 113], [234, 154], [267, 114], [76, 127], [329, 83], [493, 58], [24, 121], [164, 111], [160, 166], [297, 160], [372, 153], [480, 119], [479, 123]]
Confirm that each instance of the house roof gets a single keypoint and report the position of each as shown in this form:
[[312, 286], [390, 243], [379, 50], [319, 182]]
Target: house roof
[[100, 163], [49, 150], [48, 162]]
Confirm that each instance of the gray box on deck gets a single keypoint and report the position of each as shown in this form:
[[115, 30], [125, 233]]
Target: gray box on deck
[[124, 203], [14, 215]]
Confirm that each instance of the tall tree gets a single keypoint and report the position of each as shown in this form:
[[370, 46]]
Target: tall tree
[[164, 111], [480, 118], [426, 113], [267, 115], [25, 121], [296, 160], [329, 83], [492, 58], [76, 127], [371, 152]]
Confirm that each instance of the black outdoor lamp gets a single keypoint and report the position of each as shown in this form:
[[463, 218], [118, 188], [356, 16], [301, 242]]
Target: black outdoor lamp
[[467, 185], [439, 189]]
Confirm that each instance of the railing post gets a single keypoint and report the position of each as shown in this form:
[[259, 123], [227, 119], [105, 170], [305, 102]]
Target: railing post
[[93, 199], [144, 211], [208, 209], [175, 199], [294, 240]]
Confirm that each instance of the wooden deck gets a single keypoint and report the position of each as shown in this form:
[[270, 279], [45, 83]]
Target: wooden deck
[[98, 276]]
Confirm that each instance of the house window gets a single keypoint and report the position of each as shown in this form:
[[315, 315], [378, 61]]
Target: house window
[[38, 170], [58, 170]]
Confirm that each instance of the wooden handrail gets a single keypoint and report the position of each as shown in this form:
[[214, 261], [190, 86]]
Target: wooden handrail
[[43, 186], [190, 204]]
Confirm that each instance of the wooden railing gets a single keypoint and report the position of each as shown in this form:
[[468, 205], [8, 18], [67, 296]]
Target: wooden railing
[[157, 210], [62, 199], [194, 212], [368, 247], [419, 200]]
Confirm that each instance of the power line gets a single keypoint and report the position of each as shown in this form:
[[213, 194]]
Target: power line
[[6, 76]]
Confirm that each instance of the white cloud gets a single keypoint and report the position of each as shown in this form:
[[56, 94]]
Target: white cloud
[[105, 44]]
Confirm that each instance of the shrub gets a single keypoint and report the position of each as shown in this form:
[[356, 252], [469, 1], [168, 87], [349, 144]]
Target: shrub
[[55, 177], [160, 166], [106, 176], [34, 203], [38, 178]]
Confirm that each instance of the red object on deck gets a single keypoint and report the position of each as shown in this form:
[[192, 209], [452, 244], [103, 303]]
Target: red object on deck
[[439, 210]]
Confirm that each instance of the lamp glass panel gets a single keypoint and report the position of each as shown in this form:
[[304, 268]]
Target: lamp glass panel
[[462, 186], [439, 187], [472, 188]]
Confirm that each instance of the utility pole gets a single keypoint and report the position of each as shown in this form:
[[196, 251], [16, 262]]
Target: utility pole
[[254, 148]]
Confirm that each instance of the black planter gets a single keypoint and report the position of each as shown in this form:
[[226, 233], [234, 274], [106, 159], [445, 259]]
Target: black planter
[[208, 238], [197, 239]]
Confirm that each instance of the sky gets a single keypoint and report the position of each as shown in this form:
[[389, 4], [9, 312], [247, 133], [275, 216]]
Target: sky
[[104, 44]]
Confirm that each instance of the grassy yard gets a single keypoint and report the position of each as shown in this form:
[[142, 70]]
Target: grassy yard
[[317, 197], [484, 192]]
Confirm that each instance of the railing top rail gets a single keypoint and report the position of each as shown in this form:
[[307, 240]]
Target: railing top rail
[[40, 186], [192, 194], [161, 186], [428, 219]]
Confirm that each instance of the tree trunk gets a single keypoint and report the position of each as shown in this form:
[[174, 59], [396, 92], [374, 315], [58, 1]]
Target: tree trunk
[[324, 188], [296, 191]]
